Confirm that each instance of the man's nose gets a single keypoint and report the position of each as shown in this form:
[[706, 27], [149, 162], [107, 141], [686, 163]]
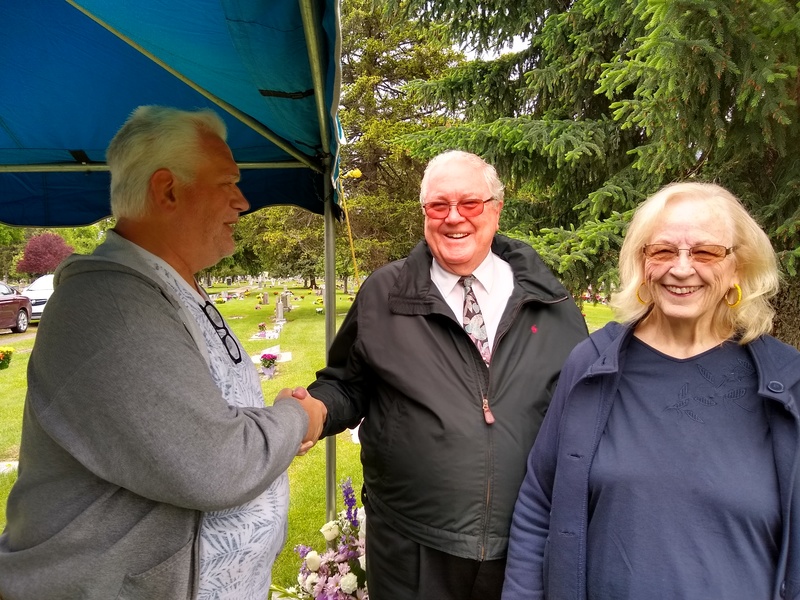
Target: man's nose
[[453, 214], [240, 202]]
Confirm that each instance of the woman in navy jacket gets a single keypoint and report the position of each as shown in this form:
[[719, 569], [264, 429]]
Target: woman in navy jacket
[[667, 464]]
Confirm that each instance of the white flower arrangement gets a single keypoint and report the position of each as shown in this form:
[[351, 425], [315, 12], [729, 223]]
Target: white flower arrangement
[[339, 573]]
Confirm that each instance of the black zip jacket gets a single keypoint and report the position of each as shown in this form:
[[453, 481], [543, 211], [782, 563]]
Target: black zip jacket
[[434, 467]]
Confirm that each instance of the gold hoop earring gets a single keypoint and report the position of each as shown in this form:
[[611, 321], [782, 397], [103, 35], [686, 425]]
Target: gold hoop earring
[[638, 297], [738, 296]]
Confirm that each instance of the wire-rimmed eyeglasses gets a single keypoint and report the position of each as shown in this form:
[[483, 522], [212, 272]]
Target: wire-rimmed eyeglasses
[[702, 253], [466, 208], [224, 334]]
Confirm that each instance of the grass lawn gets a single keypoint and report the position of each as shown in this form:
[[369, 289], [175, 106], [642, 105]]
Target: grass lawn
[[596, 315], [13, 384], [304, 336]]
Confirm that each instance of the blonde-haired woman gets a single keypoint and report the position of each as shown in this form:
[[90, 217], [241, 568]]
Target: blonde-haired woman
[[667, 464]]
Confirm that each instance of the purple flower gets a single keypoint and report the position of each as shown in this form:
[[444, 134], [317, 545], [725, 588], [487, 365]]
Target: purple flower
[[339, 567], [350, 502]]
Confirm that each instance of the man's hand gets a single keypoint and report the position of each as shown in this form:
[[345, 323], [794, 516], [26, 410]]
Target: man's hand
[[317, 413]]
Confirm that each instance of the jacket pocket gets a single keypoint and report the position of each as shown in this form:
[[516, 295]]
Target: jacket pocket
[[169, 579]]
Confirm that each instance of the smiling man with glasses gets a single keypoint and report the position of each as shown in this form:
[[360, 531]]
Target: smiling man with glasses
[[150, 466], [450, 356]]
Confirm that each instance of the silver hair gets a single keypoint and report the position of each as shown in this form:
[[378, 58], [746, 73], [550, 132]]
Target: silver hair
[[155, 137], [496, 188]]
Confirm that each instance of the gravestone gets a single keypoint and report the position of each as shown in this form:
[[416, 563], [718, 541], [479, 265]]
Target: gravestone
[[279, 311]]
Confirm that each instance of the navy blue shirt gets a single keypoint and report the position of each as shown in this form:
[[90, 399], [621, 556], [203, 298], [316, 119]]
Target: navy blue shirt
[[684, 497]]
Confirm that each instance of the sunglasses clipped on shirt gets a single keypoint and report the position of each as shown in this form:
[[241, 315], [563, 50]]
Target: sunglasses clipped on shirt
[[466, 208], [703, 253], [212, 314]]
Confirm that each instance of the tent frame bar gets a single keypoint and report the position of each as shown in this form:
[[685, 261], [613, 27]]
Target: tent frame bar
[[98, 166], [232, 110]]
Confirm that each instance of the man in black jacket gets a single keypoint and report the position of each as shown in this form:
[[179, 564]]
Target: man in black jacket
[[450, 356]]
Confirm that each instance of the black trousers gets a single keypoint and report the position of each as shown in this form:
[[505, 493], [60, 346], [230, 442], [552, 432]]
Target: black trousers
[[400, 569]]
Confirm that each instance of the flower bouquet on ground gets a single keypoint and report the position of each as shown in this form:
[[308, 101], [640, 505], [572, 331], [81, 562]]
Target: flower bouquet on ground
[[6, 352], [268, 360], [339, 573]]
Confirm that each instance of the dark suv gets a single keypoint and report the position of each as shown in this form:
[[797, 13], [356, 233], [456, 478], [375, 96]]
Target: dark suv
[[15, 309]]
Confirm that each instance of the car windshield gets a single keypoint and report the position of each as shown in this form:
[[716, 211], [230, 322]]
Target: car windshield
[[43, 283]]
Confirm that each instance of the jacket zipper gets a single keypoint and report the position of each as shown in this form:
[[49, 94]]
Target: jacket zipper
[[487, 410], [489, 418]]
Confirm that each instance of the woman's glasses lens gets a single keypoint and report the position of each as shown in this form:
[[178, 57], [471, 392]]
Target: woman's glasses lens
[[705, 253]]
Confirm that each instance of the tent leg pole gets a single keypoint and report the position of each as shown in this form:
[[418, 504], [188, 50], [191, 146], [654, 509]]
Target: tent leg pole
[[330, 331]]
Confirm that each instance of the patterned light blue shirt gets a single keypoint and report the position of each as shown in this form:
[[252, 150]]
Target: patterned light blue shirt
[[238, 546]]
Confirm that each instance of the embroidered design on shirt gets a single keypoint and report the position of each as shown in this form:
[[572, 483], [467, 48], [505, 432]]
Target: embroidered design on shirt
[[725, 389]]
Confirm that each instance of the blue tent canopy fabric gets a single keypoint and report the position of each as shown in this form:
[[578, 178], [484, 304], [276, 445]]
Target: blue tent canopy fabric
[[74, 70]]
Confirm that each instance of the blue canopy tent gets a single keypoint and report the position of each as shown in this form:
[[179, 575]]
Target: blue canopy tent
[[73, 70]]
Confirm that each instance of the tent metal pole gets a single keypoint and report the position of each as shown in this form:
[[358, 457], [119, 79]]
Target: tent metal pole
[[330, 331], [243, 117], [313, 45]]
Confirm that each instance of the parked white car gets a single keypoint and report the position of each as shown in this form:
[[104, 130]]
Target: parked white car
[[39, 292]]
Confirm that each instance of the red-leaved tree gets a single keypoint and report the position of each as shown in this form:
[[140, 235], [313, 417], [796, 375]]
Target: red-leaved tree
[[43, 253]]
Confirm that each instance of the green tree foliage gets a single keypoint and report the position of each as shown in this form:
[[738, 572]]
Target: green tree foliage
[[85, 239], [12, 241], [284, 240], [613, 99], [380, 54]]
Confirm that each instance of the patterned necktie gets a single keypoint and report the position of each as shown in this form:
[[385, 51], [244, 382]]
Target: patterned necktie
[[473, 320]]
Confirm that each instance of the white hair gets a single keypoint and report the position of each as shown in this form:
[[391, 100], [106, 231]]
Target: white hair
[[489, 172], [155, 137]]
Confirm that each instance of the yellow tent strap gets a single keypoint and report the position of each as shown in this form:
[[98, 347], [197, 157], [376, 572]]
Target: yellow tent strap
[[354, 174]]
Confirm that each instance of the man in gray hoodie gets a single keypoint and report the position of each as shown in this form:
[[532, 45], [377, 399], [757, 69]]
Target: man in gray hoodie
[[149, 466]]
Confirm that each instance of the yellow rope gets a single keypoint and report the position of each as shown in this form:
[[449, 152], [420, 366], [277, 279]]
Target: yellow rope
[[354, 174]]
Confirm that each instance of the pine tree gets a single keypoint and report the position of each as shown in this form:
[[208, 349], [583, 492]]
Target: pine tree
[[613, 99]]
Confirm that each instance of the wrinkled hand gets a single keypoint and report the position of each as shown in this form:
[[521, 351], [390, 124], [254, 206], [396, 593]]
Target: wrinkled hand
[[317, 413]]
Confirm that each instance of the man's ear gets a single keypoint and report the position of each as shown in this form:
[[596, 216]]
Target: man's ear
[[163, 189], [499, 210]]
